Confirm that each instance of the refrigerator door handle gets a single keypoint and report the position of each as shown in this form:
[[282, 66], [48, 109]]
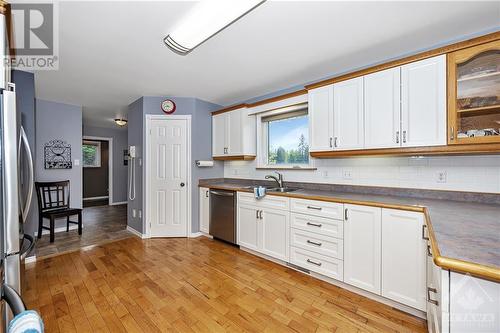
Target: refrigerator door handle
[[10, 174], [23, 140], [32, 241], [14, 300]]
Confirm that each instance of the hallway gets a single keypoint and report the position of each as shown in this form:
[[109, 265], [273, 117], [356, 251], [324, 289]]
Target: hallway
[[101, 224]]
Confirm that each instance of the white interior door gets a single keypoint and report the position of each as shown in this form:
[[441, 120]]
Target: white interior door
[[167, 164]]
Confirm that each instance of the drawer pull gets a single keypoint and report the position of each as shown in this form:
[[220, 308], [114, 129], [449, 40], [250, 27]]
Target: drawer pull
[[429, 299], [313, 243], [429, 253], [314, 207], [313, 262], [314, 224]]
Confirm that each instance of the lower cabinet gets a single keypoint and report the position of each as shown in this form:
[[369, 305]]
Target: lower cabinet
[[264, 230], [316, 262], [204, 209], [362, 247], [404, 257]]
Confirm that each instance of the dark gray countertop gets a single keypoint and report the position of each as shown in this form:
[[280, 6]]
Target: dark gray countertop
[[466, 231]]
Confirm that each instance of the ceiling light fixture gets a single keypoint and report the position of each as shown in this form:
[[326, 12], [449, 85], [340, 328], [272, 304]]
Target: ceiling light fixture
[[121, 122], [206, 19]]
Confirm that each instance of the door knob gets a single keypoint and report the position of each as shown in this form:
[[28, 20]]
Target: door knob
[[182, 184]]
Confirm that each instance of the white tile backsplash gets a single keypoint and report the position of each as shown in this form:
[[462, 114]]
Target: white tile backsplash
[[463, 173]]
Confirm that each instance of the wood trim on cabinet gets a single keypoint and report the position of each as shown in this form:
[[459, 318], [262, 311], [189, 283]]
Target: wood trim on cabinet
[[419, 56], [278, 98], [234, 158], [485, 148], [457, 265], [230, 108]]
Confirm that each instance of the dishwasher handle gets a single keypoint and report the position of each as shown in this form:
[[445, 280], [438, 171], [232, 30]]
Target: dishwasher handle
[[223, 194]]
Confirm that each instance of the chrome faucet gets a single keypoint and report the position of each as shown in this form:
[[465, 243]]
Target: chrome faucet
[[278, 179]]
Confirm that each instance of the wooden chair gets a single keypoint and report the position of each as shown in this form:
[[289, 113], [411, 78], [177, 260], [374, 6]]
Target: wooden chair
[[53, 203]]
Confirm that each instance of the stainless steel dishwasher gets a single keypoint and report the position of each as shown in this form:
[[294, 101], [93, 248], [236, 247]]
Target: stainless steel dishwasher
[[223, 215]]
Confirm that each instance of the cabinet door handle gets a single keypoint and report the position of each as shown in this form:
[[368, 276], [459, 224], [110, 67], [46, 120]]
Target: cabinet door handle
[[429, 253], [313, 243], [313, 262], [256, 213], [423, 232], [314, 207], [206, 194], [397, 136], [335, 142], [346, 217], [404, 136], [452, 133], [260, 215], [331, 142], [429, 299], [314, 224]]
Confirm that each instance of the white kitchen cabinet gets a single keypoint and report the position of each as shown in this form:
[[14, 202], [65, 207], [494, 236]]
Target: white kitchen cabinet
[[204, 203], [404, 257], [320, 109], [423, 101], [316, 262], [382, 105], [248, 227], [263, 229], [219, 130], [274, 233], [438, 297], [348, 121], [233, 134], [362, 247]]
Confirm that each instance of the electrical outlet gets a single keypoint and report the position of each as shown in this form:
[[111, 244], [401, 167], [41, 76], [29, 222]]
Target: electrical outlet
[[133, 213], [235, 172], [347, 174], [139, 214], [325, 174], [441, 177]]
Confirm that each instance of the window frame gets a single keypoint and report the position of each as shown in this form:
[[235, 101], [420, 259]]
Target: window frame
[[263, 142], [98, 153]]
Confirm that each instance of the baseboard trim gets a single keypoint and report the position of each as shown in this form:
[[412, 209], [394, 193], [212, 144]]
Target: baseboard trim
[[30, 259], [96, 198], [60, 229], [118, 203], [136, 233], [196, 234]]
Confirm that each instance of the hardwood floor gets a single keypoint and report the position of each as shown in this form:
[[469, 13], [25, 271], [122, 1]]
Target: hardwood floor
[[100, 224], [194, 285]]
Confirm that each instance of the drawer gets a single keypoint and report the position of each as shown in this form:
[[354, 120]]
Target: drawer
[[331, 210], [327, 246], [318, 225], [269, 201], [333, 268]]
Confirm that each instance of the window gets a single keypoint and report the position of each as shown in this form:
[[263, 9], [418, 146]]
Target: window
[[91, 154], [287, 139]]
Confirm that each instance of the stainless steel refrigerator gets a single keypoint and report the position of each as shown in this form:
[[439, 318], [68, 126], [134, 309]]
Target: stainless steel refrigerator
[[16, 190]]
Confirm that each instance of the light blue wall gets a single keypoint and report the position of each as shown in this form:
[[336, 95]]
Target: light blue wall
[[120, 142], [58, 121], [201, 144]]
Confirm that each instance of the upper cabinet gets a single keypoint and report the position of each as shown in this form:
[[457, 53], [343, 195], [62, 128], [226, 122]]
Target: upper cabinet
[[348, 114], [423, 102], [233, 135], [320, 105], [399, 107], [383, 109], [474, 94]]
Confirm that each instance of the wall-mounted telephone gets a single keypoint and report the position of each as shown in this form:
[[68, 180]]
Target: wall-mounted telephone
[[131, 172]]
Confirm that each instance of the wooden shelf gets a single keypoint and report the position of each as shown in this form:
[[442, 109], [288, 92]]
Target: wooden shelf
[[478, 76], [481, 109]]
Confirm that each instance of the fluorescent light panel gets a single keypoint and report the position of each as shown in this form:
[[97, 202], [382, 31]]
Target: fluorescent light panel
[[206, 19]]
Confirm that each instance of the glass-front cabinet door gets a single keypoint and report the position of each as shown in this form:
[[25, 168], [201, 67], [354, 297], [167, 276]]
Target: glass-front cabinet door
[[474, 94]]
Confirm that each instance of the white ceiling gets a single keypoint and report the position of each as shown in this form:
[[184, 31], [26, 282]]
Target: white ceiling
[[111, 53]]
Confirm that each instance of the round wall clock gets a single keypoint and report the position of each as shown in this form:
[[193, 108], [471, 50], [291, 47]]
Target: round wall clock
[[168, 106]]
